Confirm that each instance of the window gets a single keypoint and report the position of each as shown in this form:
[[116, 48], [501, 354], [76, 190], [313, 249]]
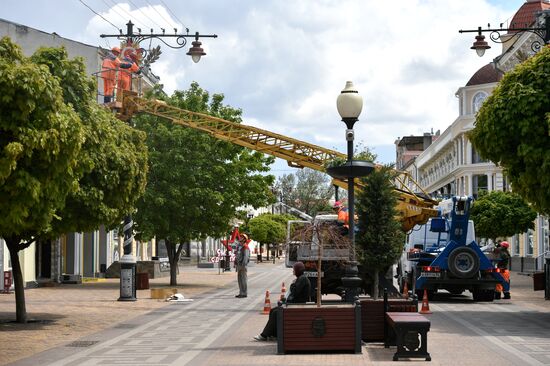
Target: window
[[546, 234], [479, 184], [530, 242], [476, 158], [478, 100], [515, 245]]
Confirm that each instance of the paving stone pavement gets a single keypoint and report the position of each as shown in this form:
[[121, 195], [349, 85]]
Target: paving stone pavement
[[217, 329]]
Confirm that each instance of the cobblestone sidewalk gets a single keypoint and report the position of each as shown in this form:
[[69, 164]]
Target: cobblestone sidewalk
[[65, 313]]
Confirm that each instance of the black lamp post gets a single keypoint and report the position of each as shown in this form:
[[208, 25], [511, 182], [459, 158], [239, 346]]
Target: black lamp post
[[480, 45], [128, 261], [349, 104], [131, 38]]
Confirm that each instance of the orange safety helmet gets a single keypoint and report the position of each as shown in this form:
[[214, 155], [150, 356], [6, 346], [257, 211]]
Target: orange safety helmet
[[504, 244], [115, 50]]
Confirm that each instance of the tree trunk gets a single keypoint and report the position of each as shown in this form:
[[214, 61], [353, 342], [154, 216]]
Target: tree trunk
[[173, 260], [375, 285], [20, 308]]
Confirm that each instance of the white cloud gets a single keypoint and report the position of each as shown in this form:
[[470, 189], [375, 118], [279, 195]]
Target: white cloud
[[284, 63]]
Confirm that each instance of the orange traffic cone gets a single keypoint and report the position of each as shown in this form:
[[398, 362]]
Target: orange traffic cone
[[267, 304], [406, 291], [425, 306], [283, 292]]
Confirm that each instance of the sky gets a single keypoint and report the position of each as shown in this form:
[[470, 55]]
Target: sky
[[285, 62]]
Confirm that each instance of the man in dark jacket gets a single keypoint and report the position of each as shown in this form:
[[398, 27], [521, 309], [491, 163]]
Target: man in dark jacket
[[299, 293]]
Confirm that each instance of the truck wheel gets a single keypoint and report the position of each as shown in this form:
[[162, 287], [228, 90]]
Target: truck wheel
[[463, 262]]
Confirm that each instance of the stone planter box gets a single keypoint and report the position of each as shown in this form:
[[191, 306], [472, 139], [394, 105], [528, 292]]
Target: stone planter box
[[307, 328]]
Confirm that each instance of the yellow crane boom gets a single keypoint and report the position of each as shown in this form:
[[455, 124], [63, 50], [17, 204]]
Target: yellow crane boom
[[415, 208]]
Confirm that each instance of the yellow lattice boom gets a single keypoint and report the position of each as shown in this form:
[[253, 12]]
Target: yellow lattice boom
[[414, 208]]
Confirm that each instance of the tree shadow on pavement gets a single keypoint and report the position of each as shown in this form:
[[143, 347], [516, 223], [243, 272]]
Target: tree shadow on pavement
[[36, 321]]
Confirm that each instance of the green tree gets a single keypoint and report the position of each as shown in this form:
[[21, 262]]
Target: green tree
[[380, 238], [40, 141], [307, 190], [501, 214], [196, 182], [268, 229], [113, 158], [512, 129]]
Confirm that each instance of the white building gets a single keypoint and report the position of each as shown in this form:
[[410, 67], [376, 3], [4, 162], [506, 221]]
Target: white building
[[451, 165]]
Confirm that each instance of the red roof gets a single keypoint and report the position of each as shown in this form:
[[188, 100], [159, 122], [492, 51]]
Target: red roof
[[487, 74], [525, 16]]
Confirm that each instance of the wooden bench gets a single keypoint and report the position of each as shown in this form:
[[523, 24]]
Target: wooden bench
[[308, 328], [411, 334], [373, 313]]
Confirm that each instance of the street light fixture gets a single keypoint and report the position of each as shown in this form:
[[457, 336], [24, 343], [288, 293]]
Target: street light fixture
[[131, 38], [128, 261], [543, 32], [350, 104]]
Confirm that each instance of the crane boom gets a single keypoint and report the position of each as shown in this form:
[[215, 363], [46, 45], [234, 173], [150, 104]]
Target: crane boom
[[414, 208]]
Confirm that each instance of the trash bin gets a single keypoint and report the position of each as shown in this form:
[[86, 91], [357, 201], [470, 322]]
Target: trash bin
[[222, 264], [142, 281], [539, 283]]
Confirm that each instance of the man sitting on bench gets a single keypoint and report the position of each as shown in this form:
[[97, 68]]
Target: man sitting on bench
[[299, 293]]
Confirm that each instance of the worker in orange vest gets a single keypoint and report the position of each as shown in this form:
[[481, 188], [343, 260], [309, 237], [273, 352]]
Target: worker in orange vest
[[343, 217], [504, 259], [129, 64], [109, 68]]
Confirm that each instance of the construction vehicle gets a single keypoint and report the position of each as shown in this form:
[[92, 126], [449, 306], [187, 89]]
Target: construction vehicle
[[443, 254]]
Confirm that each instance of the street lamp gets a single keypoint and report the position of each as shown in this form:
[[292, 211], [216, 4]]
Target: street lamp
[[480, 45], [128, 261], [349, 104], [131, 38]]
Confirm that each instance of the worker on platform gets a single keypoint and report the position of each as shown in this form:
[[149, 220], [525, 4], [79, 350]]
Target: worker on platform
[[503, 263], [109, 68], [343, 217], [130, 67]]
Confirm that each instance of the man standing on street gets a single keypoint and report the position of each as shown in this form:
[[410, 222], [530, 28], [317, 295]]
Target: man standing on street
[[241, 262]]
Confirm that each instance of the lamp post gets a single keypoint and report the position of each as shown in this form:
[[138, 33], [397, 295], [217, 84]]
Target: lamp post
[[349, 104], [131, 38], [128, 261], [480, 45]]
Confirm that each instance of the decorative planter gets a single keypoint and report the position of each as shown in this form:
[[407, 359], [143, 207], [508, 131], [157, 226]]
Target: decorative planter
[[353, 169], [310, 328]]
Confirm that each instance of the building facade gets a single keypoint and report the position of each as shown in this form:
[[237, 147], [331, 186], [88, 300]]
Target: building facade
[[451, 165]]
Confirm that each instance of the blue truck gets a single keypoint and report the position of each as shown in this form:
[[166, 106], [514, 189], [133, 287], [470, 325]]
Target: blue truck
[[443, 255]]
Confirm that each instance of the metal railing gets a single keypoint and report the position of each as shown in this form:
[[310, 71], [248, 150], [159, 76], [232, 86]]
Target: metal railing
[[135, 84]]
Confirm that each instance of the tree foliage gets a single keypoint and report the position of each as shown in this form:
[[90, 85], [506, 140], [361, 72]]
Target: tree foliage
[[40, 142], [268, 228], [380, 238], [512, 129], [307, 190], [113, 158], [501, 214], [196, 182]]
